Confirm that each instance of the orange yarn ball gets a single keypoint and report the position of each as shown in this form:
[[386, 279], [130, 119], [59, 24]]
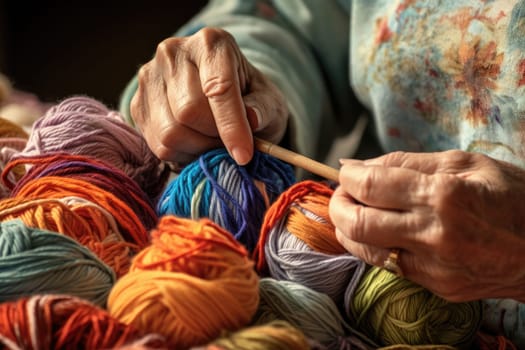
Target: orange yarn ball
[[192, 283], [84, 221], [131, 228]]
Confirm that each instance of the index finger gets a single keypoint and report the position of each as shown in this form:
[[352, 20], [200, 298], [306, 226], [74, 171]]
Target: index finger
[[221, 70], [386, 187], [451, 161]]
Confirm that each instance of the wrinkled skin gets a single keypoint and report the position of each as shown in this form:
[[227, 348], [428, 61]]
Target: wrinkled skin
[[458, 217], [200, 92]]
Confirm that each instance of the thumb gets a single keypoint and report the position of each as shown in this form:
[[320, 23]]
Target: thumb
[[267, 114]]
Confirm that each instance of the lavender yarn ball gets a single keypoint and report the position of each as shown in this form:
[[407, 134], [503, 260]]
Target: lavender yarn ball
[[81, 125], [291, 259]]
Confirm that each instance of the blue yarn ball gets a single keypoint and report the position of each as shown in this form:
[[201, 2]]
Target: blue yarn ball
[[234, 197], [35, 261]]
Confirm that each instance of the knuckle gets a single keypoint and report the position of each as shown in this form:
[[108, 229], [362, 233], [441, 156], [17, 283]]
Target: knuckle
[[209, 37], [160, 152], [356, 223], [395, 157], [457, 158], [444, 192], [166, 47], [366, 185], [186, 112], [137, 109], [370, 257], [217, 86], [144, 73], [165, 144]]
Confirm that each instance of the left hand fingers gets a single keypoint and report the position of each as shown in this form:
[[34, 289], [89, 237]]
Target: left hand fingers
[[449, 162], [387, 187], [376, 256], [375, 226], [424, 269]]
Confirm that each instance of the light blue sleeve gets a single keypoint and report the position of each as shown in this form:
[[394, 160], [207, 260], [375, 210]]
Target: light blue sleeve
[[302, 46]]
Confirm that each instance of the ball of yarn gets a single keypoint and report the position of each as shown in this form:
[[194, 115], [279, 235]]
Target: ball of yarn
[[84, 126], [392, 310], [55, 187], [275, 335], [102, 175], [505, 317], [236, 197], [298, 243], [13, 139], [64, 322], [84, 221], [35, 261], [314, 313], [193, 282]]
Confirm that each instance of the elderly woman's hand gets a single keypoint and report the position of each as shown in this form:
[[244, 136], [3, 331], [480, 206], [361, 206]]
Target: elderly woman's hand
[[200, 92], [457, 217]]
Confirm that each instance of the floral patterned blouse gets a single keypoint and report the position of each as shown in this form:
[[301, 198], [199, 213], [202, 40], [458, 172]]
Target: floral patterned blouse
[[433, 75]]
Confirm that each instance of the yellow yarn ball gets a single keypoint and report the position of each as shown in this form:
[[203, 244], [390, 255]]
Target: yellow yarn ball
[[275, 335], [392, 310]]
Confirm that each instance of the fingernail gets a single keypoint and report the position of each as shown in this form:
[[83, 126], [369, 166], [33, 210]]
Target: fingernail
[[343, 161], [372, 161], [240, 155], [254, 118]]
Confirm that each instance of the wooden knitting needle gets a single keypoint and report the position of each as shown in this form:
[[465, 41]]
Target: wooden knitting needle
[[296, 159]]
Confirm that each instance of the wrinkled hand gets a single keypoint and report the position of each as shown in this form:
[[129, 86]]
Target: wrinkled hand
[[458, 218], [200, 92]]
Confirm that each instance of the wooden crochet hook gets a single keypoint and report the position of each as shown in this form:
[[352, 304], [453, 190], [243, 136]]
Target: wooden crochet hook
[[297, 160]]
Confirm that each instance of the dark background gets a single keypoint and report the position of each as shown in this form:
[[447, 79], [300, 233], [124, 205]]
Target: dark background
[[55, 49]]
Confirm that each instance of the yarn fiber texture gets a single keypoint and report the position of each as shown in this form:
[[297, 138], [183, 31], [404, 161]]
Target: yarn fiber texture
[[81, 125], [314, 313], [35, 261], [392, 310], [193, 282], [235, 197], [62, 322], [505, 317], [130, 225], [275, 335], [298, 243], [102, 175], [85, 222]]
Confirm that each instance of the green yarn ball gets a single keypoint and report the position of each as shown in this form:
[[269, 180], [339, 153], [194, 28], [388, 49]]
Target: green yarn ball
[[393, 310]]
